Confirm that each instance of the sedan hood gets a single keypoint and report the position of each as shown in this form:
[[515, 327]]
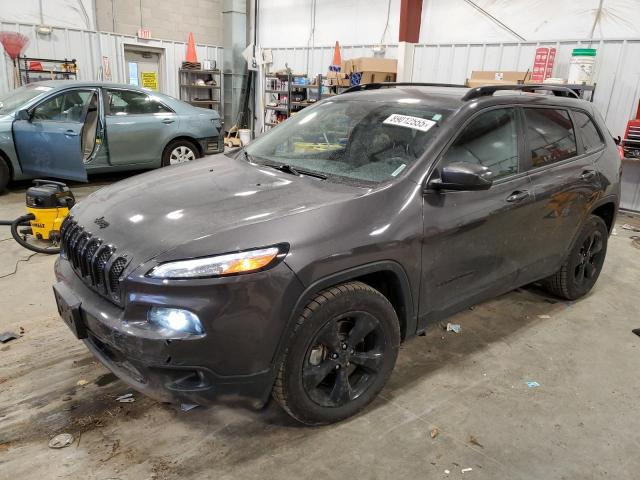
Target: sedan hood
[[155, 212]]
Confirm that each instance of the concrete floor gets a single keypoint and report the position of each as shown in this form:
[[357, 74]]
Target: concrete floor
[[582, 421]]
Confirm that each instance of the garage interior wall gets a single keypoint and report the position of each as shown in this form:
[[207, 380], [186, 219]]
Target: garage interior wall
[[89, 47], [56, 13], [167, 19], [505, 39]]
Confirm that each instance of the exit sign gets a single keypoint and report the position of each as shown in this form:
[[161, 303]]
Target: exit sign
[[144, 33]]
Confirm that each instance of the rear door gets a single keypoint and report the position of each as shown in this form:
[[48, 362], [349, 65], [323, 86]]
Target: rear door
[[49, 141], [138, 127], [472, 239], [564, 182]]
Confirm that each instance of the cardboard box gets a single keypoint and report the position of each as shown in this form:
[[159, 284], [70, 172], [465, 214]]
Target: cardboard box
[[338, 78], [375, 77], [492, 77], [370, 64]]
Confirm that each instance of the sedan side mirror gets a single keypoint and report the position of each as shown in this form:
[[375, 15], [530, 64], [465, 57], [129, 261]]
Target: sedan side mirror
[[23, 115], [462, 176]]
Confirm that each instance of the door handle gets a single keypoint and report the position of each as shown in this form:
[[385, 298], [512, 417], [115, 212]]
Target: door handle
[[518, 196], [71, 133], [167, 121], [588, 174]]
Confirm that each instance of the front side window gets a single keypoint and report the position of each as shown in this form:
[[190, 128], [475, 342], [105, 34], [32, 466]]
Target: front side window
[[591, 138], [351, 140], [490, 140], [66, 107], [129, 102], [550, 135]]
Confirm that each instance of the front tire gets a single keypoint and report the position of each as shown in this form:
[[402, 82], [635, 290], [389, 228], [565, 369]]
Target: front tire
[[582, 267], [179, 151], [5, 174], [341, 353]]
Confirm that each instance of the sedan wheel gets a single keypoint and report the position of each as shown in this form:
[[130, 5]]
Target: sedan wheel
[[181, 154]]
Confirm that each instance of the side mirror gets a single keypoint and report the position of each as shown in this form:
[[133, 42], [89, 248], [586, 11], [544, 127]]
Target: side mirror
[[23, 115], [462, 176], [617, 139]]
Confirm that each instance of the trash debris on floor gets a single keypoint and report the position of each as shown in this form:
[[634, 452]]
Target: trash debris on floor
[[465, 470], [81, 382], [636, 331], [453, 327], [447, 472], [628, 226], [544, 317], [185, 407], [474, 441], [61, 441], [434, 433], [8, 336], [126, 398], [533, 384]]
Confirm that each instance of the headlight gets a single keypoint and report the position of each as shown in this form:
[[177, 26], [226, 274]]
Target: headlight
[[175, 319], [220, 265]]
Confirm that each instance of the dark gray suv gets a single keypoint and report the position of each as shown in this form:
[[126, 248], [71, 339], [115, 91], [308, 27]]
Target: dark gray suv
[[296, 267]]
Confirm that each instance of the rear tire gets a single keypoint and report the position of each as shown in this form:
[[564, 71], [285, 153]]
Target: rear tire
[[582, 266], [5, 174], [341, 353], [179, 151]]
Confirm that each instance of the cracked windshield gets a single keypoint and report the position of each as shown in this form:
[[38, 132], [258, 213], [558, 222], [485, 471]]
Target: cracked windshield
[[357, 141]]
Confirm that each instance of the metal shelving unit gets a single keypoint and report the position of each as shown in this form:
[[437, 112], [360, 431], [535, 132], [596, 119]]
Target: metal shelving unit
[[191, 92], [59, 70], [283, 96]]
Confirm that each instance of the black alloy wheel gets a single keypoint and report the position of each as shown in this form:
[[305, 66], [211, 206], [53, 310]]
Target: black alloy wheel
[[589, 256], [340, 354], [582, 266], [345, 357]]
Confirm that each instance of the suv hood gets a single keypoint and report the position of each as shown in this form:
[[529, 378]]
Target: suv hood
[[152, 213]]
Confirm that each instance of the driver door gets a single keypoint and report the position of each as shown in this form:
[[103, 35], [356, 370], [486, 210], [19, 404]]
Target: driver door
[[473, 240], [48, 137]]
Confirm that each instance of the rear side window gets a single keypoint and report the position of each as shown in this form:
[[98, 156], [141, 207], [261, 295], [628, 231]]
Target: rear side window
[[550, 135], [129, 102], [490, 140], [591, 138]]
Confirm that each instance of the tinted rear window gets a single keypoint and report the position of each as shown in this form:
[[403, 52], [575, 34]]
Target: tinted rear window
[[550, 135], [590, 136]]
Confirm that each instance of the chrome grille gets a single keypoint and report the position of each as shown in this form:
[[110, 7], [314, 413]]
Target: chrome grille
[[93, 261]]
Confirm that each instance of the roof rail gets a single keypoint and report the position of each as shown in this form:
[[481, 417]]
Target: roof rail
[[374, 86], [488, 90]]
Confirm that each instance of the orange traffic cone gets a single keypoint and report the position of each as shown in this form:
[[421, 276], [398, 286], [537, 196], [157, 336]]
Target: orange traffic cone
[[191, 50], [337, 59]]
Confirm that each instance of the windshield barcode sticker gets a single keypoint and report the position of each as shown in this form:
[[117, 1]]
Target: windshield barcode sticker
[[408, 121]]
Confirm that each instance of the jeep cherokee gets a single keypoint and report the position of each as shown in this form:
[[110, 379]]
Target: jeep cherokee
[[297, 265]]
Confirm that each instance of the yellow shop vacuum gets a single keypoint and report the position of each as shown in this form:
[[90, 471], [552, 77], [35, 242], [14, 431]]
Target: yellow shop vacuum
[[48, 203]]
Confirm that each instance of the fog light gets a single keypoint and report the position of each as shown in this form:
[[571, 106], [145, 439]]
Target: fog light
[[175, 319]]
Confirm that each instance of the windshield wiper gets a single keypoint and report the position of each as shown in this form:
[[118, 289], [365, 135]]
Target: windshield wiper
[[286, 168], [247, 156]]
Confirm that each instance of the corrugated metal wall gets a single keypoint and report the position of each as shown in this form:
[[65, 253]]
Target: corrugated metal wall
[[88, 48], [617, 71]]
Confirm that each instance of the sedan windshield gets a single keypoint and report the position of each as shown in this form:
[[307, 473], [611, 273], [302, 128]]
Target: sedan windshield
[[14, 99], [361, 141]]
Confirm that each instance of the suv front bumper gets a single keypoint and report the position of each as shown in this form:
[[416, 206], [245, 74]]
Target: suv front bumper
[[233, 361]]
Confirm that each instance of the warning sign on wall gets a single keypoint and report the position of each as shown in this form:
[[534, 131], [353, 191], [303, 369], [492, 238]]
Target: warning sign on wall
[[149, 80]]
